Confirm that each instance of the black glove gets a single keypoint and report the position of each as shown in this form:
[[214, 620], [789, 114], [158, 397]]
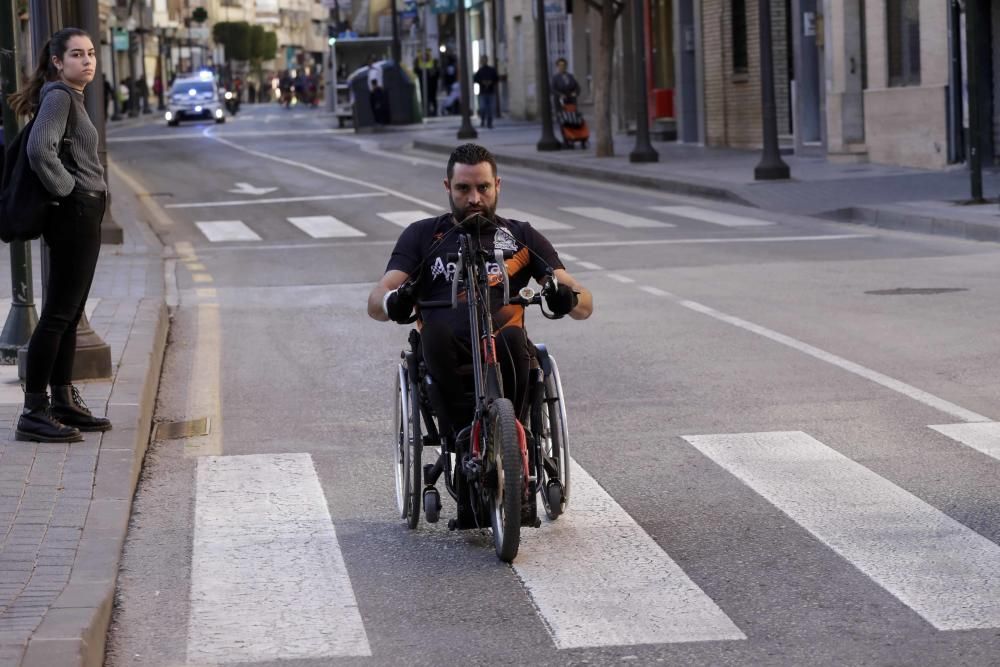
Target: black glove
[[560, 300], [398, 305]]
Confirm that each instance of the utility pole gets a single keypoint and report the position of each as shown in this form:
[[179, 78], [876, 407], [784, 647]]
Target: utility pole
[[643, 151], [973, 17], [116, 110], [144, 88], [397, 50], [466, 131], [771, 167], [21, 318], [548, 142]]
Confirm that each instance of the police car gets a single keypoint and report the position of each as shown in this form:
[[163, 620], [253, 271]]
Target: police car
[[194, 97]]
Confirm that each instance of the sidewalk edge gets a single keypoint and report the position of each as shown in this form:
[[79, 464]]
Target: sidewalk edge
[[687, 188], [77, 624], [913, 221]]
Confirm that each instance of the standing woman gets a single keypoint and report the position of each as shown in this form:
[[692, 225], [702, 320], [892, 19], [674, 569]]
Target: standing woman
[[62, 151]]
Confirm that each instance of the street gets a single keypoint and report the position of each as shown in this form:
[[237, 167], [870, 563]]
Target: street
[[783, 428]]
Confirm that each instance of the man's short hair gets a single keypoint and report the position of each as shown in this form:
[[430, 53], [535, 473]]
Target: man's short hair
[[561, 60], [470, 154]]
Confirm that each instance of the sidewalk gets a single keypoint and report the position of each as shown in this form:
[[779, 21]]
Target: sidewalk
[[886, 196], [65, 508]]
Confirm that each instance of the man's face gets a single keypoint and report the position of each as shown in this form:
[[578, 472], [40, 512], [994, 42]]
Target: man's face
[[473, 189], [561, 66]]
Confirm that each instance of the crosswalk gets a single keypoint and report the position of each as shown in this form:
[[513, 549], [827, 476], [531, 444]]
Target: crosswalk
[[556, 219], [594, 577]]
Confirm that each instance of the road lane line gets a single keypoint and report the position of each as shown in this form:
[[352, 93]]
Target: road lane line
[[614, 217], [268, 580], [322, 172], [566, 256], [655, 291], [537, 221], [743, 239], [403, 218], [227, 230], [324, 227], [200, 135], [879, 378], [598, 579], [204, 397], [620, 278], [272, 200], [590, 266], [713, 217], [981, 436], [939, 568]]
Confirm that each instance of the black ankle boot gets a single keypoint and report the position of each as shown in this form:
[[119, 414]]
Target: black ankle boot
[[69, 408], [37, 424]]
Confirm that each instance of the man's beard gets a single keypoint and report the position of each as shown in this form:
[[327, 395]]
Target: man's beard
[[463, 213]]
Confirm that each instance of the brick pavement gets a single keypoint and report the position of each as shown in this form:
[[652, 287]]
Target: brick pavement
[[64, 508]]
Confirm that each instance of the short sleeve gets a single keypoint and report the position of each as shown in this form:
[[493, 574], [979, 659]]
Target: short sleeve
[[407, 254], [543, 255]]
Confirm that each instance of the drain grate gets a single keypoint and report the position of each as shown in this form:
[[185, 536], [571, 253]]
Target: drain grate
[[182, 429], [901, 291]]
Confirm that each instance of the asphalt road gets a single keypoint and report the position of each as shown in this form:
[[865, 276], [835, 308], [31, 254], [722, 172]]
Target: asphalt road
[[750, 410]]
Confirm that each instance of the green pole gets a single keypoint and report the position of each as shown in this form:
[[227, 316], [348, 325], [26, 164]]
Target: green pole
[[22, 318]]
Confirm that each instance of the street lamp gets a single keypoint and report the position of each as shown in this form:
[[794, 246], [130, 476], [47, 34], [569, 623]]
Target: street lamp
[[771, 167], [548, 142], [466, 131], [643, 151]]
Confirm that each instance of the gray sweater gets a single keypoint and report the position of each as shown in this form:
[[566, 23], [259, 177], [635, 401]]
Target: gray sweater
[[81, 168]]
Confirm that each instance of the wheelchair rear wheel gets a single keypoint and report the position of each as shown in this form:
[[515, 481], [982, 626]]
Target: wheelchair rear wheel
[[406, 448], [504, 451], [553, 438]]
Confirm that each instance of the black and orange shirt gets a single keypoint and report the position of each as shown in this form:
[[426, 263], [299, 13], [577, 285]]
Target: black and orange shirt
[[423, 249]]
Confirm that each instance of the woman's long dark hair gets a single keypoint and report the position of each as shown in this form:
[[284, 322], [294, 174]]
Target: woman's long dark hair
[[25, 101]]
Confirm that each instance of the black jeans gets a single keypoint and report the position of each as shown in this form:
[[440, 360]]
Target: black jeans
[[444, 353], [73, 234]]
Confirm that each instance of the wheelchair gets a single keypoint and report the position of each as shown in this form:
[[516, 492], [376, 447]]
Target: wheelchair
[[495, 468]]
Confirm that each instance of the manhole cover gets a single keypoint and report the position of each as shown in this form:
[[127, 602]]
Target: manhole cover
[[900, 291], [182, 429]]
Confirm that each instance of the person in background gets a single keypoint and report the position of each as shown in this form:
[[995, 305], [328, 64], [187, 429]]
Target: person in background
[[487, 78]]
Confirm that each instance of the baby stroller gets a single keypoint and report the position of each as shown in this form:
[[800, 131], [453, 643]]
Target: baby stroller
[[574, 127]]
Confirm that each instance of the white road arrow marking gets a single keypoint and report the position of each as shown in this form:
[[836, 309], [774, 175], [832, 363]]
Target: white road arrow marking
[[247, 189]]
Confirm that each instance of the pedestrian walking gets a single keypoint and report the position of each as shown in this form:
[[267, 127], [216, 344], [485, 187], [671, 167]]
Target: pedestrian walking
[[564, 85], [486, 76], [426, 67], [109, 94], [62, 151]]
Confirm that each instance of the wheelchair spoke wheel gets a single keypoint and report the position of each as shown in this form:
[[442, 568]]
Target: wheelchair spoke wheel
[[552, 433], [504, 453], [401, 442], [414, 473]]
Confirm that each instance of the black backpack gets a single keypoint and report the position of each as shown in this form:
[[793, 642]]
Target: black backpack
[[24, 202]]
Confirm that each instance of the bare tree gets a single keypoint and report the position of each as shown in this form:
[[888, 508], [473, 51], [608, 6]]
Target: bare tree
[[610, 10]]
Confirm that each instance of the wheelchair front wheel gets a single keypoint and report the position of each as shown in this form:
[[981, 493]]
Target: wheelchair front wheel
[[504, 450]]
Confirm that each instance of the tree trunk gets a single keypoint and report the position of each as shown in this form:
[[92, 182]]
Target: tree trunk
[[604, 144]]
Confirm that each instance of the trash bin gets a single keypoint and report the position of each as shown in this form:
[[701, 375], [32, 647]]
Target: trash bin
[[400, 88]]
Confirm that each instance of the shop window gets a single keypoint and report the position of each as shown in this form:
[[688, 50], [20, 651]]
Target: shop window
[[739, 24], [903, 26]]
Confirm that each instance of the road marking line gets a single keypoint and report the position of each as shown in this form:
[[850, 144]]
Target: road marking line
[[227, 230], [714, 217], [981, 436], [403, 218], [154, 208], [324, 227], [201, 278], [200, 135], [939, 568], [620, 278], [537, 221], [268, 580], [185, 250], [890, 383], [193, 265], [568, 257], [655, 291], [590, 266], [273, 200], [206, 293], [598, 579], [744, 239], [204, 397], [614, 217], [321, 172]]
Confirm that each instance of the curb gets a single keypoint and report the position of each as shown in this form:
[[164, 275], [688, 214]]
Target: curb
[[687, 188], [77, 624], [913, 221]]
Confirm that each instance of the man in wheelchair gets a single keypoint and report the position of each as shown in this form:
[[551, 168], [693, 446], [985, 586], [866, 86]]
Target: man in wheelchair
[[419, 270]]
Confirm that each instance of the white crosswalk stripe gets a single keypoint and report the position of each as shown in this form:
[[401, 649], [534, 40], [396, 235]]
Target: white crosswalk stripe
[[942, 570], [325, 227], [981, 436], [714, 217], [268, 580], [226, 230], [598, 579], [614, 217], [403, 218], [537, 221]]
